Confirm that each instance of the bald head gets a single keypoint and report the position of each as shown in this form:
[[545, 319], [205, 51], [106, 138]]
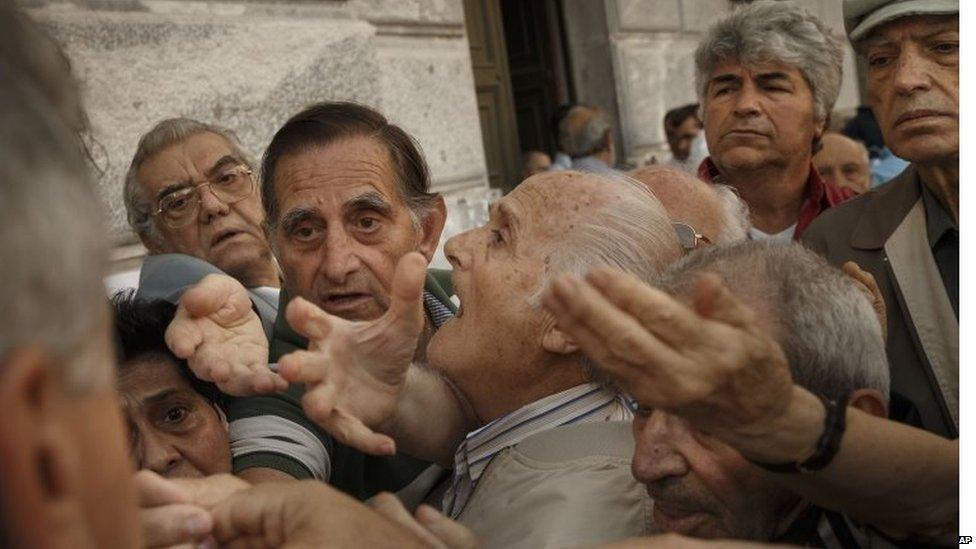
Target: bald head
[[713, 211], [844, 162], [584, 132]]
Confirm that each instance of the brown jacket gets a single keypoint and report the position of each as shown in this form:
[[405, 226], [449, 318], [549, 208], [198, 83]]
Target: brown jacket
[[883, 231]]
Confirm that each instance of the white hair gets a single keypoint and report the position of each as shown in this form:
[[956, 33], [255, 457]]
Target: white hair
[[734, 224], [775, 31], [589, 139], [52, 239], [825, 324], [161, 136]]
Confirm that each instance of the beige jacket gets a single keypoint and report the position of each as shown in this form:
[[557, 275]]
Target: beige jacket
[[564, 487]]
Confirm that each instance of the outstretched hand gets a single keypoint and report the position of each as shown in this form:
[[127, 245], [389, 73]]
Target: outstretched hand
[[355, 370], [221, 337], [710, 363]]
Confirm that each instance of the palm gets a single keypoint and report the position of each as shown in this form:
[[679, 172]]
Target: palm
[[355, 370]]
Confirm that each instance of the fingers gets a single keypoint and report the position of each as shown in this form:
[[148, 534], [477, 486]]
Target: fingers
[[406, 298], [353, 432], [390, 507], [174, 524], [183, 336], [713, 300], [657, 311], [154, 490], [308, 320], [213, 294], [209, 491], [452, 534], [309, 366]]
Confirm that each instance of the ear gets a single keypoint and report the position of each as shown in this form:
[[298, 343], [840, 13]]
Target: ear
[[35, 463], [870, 401], [557, 341], [431, 228]]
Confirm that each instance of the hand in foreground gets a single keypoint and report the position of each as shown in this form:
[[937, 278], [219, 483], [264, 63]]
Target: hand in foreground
[[709, 363], [221, 338], [174, 513], [303, 514], [355, 370], [433, 528], [869, 286]]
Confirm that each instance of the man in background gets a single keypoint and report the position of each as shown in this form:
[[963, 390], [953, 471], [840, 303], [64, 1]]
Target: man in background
[[844, 162], [683, 130], [585, 135]]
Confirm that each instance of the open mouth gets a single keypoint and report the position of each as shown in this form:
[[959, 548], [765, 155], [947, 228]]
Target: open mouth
[[337, 303]]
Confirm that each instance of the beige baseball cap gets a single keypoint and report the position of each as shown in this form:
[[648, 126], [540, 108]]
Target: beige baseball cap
[[862, 16]]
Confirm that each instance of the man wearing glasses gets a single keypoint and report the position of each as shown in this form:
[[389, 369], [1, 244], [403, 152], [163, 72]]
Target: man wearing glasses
[[191, 196]]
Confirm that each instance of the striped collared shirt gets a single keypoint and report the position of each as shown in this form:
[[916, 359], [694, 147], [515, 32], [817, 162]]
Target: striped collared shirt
[[586, 403], [439, 313]]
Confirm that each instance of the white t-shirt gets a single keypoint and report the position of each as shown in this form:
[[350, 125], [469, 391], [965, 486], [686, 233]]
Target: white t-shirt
[[784, 237]]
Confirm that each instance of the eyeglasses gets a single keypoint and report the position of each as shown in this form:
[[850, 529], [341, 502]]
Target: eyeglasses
[[688, 236], [230, 186]]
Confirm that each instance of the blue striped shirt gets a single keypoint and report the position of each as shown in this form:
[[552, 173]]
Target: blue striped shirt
[[586, 403]]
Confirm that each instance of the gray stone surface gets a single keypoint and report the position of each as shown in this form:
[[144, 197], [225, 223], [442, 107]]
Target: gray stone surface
[[698, 15], [646, 15], [248, 65]]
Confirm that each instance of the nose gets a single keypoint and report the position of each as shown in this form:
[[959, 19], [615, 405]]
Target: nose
[[655, 453], [340, 256], [457, 250], [747, 100], [911, 72], [210, 205], [158, 454]]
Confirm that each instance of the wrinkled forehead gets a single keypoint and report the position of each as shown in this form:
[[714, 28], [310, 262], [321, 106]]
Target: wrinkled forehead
[[553, 201], [149, 376], [197, 152]]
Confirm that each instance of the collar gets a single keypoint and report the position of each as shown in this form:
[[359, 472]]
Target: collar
[[886, 207], [818, 194], [590, 402], [938, 221]]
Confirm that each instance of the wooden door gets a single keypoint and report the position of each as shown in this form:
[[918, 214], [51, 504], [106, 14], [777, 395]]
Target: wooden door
[[493, 87], [532, 38]]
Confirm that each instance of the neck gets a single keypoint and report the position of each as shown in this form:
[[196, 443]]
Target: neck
[[263, 273], [497, 401], [774, 193], [943, 180]]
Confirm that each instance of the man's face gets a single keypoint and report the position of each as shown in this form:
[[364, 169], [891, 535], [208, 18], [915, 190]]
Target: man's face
[[702, 487], [913, 86], [92, 427], [494, 344], [227, 235], [681, 138], [844, 162], [343, 226], [758, 115], [173, 430]]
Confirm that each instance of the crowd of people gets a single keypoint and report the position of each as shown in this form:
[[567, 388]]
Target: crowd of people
[[745, 345]]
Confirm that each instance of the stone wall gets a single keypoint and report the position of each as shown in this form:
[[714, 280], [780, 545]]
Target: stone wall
[[647, 49], [249, 65]]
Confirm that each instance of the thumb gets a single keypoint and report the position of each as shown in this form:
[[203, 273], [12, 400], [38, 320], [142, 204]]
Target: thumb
[[713, 300], [211, 294], [406, 299]]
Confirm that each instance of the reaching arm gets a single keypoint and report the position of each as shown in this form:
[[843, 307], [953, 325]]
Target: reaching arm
[[713, 366]]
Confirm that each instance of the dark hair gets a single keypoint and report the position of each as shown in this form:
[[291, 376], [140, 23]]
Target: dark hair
[[677, 116], [324, 123], [140, 331]]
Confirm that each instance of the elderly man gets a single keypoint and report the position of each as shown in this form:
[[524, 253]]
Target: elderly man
[[191, 197], [694, 206], [906, 232], [683, 130], [767, 76], [586, 136], [844, 162], [530, 391], [177, 424], [346, 195], [722, 395]]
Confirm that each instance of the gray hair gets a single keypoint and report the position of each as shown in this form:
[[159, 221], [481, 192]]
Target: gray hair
[[162, 135], [579, 140], [631, 232], [51, 235], [735, 215], [822, 320], [780, 32]]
